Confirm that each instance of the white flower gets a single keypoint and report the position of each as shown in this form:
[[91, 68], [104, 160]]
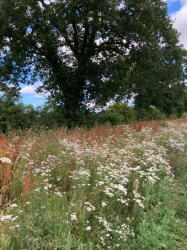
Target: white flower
[[58, 193], [110, 194], [5, 160], [6, 217], [73, 216], [101, 238], [88, 228], [139, 203], [151, 179], [13, 205], [13, 219], [89, 206], [89, 209], [103, 204], [16, 226]]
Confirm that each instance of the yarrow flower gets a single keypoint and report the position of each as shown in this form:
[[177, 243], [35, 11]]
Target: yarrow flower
[[88, 228], [5, 160], [104, 204], [73, 216], [89, 206], [6, 217], [13, 205]]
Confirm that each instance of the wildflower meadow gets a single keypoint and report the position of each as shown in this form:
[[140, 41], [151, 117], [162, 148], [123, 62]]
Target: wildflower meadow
[[122, 187]]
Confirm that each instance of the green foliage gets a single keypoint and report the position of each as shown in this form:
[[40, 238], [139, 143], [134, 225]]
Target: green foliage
[[111, 117], [31, 116], [11, 114], [174, 100], [118, 113], [15, 115], [48, 117], [81, 51], [126, 112], [156, 231], [184, 115], [149, 114]]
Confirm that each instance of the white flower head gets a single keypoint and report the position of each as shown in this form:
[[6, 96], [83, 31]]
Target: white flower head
[[88, 228], [73, 216], [13, 205], [104, 204], [89, 206], [6, 217], [5, 160]]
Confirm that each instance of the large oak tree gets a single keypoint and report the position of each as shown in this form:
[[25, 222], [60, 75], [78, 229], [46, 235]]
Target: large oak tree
[[84, 50]]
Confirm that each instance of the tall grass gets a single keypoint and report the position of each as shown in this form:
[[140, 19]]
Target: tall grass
[[103, 188]]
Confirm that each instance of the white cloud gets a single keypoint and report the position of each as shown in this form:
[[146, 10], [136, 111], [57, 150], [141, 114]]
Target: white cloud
[[179, 19], [38, 96], [31, 91], [28, 90], [183, 2]]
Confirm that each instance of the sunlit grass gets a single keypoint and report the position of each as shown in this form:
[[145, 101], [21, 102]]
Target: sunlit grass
[[103, 188]]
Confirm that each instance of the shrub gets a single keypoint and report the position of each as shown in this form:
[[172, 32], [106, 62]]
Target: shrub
[[118, 113], [149, 114]]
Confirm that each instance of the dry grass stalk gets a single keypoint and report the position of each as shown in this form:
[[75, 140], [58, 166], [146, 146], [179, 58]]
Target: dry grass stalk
[[8, 156]]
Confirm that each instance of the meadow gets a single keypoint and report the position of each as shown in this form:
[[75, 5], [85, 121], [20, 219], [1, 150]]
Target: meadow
[[122, 187]]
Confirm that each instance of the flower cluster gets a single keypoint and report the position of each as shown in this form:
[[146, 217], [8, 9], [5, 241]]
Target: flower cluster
[[5, 160]]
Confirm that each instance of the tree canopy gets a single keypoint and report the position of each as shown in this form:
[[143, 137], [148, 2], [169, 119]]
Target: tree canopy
[[84, 50]]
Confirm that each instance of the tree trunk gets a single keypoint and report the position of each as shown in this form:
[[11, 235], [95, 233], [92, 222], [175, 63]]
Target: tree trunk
[[74, 101]]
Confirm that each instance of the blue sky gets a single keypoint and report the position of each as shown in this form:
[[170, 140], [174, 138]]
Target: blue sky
[[29, 95], [177, 10], [173, 6]]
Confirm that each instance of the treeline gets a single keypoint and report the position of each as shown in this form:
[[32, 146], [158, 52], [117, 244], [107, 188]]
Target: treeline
[[16, 115], [80, 51]]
